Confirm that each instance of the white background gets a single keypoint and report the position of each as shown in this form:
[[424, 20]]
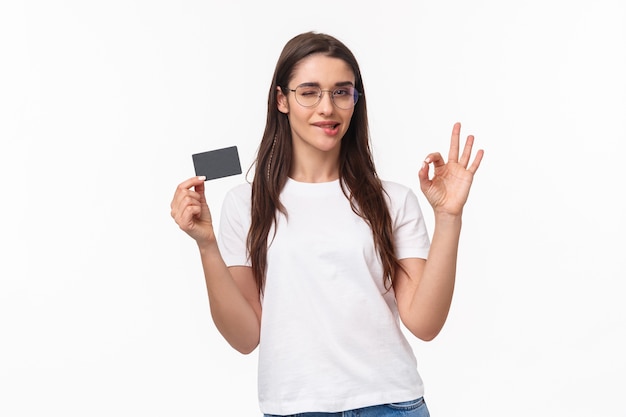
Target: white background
[[103, 309]]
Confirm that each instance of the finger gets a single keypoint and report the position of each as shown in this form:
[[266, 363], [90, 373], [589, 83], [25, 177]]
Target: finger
[[186, 218], [186, 210], [191, 182], [453, 154], [189, 213], [183, 188], [180, 204], [467, 151], [423, 176], [479, 157], [436, 159], [199, 191]]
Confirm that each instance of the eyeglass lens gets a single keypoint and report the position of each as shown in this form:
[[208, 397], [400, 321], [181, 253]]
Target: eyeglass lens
[[343, 97]]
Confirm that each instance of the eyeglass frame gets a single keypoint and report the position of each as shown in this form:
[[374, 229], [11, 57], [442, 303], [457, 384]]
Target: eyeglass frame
[[322, 91]]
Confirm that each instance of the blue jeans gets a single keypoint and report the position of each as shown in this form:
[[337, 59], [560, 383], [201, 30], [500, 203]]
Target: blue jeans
[[414, 408]]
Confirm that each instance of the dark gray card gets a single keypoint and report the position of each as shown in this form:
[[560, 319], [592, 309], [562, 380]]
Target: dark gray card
[[217, 163]]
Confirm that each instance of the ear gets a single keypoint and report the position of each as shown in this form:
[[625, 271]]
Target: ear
[[281, 101]]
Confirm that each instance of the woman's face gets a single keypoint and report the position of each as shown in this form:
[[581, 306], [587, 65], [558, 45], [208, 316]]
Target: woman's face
[[321, 127]]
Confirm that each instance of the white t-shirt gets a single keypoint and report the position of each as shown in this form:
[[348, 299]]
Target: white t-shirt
[[330, 332]]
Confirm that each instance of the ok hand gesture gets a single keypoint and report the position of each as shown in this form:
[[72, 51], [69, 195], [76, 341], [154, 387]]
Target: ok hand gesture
[[449, 187]]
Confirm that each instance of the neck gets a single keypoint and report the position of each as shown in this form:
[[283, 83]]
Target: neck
[[317, 174], [315, 168]]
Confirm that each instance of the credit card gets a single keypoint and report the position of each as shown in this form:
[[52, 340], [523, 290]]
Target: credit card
[[217, 163]]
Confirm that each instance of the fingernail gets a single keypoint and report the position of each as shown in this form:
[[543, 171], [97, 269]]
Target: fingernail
[[202, 178]]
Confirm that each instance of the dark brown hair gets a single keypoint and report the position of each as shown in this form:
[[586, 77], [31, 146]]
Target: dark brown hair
[[357, 173]]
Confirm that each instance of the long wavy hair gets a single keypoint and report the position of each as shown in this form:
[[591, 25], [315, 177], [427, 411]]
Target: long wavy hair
[[358, 178]]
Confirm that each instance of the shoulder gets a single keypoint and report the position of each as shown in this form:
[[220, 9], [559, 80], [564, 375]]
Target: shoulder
[[243, 190], [396, 191], [239, 195], [400, 197], [394, 187]]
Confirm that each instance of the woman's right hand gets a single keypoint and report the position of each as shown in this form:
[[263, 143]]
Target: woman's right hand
[[191, 211]]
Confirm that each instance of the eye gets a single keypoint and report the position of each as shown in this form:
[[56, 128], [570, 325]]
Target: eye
[[308, 91], [342, 92]]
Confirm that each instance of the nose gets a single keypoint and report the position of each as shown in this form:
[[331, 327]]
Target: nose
[[325, 106]]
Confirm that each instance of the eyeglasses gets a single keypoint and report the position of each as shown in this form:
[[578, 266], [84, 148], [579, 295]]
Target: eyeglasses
[[310, 95]]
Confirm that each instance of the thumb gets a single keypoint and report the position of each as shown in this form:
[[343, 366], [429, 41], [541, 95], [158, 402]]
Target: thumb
[[199, 188]]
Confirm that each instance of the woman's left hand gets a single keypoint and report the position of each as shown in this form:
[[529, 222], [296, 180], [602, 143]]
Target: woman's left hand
[[449, 188]]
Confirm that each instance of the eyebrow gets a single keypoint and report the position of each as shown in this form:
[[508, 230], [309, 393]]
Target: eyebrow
[[339, 84]]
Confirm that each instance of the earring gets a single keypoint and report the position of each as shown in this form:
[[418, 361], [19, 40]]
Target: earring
[[269, 163]]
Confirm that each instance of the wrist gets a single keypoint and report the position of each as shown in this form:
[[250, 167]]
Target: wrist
[[445, 218], [207, 245]]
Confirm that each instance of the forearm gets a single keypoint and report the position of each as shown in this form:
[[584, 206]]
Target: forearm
[[232, 314], [433, 297]]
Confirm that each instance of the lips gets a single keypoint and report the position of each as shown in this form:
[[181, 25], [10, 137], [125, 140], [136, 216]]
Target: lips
[[326, 125], [329, 128]]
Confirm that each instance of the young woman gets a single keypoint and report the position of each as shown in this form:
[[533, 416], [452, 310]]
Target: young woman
[[318, 259]]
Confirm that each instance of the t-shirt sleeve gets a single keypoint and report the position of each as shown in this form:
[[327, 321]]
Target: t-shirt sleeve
[[234, 226], [411, 238]]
